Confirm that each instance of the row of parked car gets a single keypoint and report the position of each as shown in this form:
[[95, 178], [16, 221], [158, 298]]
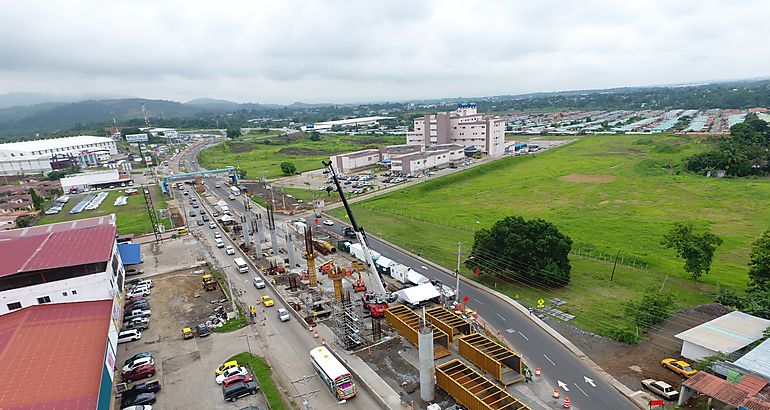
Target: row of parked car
[[136, 310], [664, 389], [140, 396], [235, 380]]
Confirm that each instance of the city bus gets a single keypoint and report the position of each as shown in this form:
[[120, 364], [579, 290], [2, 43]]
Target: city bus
[[333, 374]]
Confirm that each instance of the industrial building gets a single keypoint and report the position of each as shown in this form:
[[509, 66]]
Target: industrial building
[[94, 179], [402, 159], [464, 126], [728, 334], [350, 122], [36, 157]]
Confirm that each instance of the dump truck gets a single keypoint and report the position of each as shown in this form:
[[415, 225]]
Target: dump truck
[[209, 283]]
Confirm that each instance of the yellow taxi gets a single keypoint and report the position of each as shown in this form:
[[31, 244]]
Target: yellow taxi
[[678, 366], [221, 369], [267, 301]]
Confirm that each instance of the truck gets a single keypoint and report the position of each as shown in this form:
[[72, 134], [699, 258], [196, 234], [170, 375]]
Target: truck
[[407, 275]]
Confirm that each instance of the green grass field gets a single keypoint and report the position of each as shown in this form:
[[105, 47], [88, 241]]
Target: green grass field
[[131, 218], [259, 158], [608, 193]]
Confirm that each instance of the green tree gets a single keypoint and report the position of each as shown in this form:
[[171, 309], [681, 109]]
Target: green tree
[[37, 201], [533, 249], [315, 136], [233, 132], [288, 168], [129, 131], [654, 308], [759, 262], [697, 250]]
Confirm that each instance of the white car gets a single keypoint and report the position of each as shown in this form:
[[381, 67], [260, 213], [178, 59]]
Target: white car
[[233, 371], [283, 315], [303, 220], [137, 313], [229, 250], [138, 362], [139, 292], [662, 388], [212, 225], [328, 222], [129, 336], [143, 283], [217, 235], [138, 407], [259, 283]]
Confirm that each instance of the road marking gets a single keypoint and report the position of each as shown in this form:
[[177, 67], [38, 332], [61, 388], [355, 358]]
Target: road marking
[[478, 301], [511, 331], [522, 335], [562, 385], [589, 381], [549, 359], [501, 316], [581, 390]]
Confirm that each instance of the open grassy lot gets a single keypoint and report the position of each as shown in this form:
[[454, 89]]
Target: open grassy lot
[[131, 218], [264, 157], [609, 193]]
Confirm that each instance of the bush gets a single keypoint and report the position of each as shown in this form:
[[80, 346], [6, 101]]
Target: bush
[[623, 334], [653, 309]]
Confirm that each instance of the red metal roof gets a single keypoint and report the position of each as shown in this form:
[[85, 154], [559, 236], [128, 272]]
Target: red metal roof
[[56, 249], [52, 355], [733, 394]]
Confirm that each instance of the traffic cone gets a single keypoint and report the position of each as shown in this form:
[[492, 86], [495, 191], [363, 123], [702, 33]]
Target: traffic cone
[[567, 403], [315, 334], [323, 341], [537, 371], [555, 393]]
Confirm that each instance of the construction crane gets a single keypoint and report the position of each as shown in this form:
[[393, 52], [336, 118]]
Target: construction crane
[[376, 299]]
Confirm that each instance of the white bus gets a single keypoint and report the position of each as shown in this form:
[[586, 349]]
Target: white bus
[[241, 265], [235, 190], [334, 375]]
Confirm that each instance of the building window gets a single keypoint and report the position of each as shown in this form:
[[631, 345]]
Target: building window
[[64, 293], [14, 305], [74, 292], [44, 299]]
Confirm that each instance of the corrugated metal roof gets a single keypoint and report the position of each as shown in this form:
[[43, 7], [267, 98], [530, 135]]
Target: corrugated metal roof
[[53, 143], [727, 333], [757, 360]]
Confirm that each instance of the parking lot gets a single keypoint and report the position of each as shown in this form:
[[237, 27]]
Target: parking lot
[[185, 368]]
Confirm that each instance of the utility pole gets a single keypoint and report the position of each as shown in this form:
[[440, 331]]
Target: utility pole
[[306, 396], [457, 274], [614, 266]]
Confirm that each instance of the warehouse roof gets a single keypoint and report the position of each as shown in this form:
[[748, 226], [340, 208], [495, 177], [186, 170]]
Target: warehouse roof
[[727, 333], [36, 342], [53, 143], [744, 393], [757, 360]]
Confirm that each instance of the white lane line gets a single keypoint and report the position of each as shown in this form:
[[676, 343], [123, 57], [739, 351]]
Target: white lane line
[[522, 335], [581, 390], [549, 359], [511, 331], [479, 302], [501, 316]]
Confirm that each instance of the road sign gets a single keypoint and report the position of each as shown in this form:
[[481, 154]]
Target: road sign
[[540, 303], [656, 403], [466, 299]]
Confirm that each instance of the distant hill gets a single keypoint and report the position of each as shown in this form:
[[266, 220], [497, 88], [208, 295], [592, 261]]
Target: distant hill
[[212, 103], [27, 99]]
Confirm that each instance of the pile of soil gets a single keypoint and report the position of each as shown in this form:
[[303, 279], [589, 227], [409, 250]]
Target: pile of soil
[[237, 148], [304, 152]]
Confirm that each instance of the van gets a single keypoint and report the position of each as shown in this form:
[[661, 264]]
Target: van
[[219, 243], [241, 265], [129, 336]]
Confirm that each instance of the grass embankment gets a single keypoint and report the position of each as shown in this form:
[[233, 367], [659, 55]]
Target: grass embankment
[[262, 372], [263, 157], [608, 193], [131, 218]]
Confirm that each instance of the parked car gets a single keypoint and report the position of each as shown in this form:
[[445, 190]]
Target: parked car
[[193, 214], [238, 390], [212, 225], [200, 222], [203, 330], [217, 235], [231, 372], [136, 304], [144, 387], [146, 282], [141, 372], [131, 325], [238, 378], [259, 283], [137, 313], [229, 250], [137, 356], [138, 407], [135, 297], [137, 362], [133, 272], [328, 222], [267, 301], [661, 388], [283, 315], [140, 292], [205, 218], [129, 336], [678, 366], [221, 369], [139, 399]]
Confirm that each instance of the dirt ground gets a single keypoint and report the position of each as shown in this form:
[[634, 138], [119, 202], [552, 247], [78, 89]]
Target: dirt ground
[[258, 189], [631, 364]]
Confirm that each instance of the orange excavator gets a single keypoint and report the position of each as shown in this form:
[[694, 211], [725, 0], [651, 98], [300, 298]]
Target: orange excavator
[[358, 284]]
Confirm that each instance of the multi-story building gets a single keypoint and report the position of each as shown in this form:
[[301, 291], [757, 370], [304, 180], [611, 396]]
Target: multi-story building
[[435, 156], [34, 157], [464, 126]]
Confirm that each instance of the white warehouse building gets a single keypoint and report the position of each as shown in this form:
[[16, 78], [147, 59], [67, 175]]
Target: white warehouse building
[[34, 157]]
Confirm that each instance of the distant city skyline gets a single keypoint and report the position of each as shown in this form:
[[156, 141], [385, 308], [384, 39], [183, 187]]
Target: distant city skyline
[[282, 52]]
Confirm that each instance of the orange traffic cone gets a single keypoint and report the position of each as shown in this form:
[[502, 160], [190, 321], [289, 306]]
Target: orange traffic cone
[[555, 393], [537, 371], [315, 334], [567, 403]]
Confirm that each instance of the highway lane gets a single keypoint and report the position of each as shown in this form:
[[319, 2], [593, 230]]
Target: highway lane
[[538, 347]]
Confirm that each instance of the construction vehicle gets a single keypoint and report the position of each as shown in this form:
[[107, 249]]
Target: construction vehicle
[[209, 283], [358, 284], [187, 333], [326, 267], [376, 297]]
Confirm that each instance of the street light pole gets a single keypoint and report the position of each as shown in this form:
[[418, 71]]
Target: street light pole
[[457, 274]]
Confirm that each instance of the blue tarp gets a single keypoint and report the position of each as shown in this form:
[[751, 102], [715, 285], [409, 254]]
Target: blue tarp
[[129, 253]]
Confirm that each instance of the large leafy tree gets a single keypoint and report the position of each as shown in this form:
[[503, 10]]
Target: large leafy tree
[[696, 249], [533, 249], [288, 168], [233, 132], [759, 262]]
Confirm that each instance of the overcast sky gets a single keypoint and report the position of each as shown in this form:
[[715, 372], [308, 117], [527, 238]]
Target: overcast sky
[[353, 51]]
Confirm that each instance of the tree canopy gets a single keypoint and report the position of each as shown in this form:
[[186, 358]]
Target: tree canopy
[[233, 132], [745, 152], [288, 168], [759, 262], [315, 136], [697, 250], [533, 250]]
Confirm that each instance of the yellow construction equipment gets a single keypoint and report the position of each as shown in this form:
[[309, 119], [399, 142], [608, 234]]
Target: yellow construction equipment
[[209, 283], [336, 275]]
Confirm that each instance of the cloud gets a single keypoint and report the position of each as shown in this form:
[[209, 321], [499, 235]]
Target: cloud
[[361, 51]]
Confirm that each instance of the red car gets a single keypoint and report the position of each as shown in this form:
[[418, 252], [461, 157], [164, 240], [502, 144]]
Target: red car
[[238, 378], [139, 373], [135, 298]]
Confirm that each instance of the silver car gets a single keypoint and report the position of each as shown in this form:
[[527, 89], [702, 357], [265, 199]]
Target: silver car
[[283, 314]]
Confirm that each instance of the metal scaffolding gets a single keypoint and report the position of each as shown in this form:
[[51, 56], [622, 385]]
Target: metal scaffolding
[[347, 323]]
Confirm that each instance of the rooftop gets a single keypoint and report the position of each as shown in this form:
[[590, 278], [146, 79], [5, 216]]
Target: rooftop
[[53, 143], [727, 333], [55, 248], [41, 338], [743, 393], [757, 360]]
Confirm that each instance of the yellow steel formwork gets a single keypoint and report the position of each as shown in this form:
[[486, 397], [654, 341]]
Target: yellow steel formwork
[[472, 390], [407, 323], [502, 363], [448, 321]]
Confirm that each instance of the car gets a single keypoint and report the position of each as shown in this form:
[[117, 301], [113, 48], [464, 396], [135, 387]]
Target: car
[[231, 372], [217, 235], [678, 366], [212, 225], [193, 214], [134, 326], [137, 362], [215, 214], [259, 283], [238, 378], [139, 292], [138, 407], [137, 313], [135, 297], [136, 304], [203, 330], [185, 193], [138, 320], [238, 390], [133, 272], [144, 282], [267, 301], [194, 205], [144, 387], [140, 287], [229, 250], [137, 356], [219, 243], [283, 315], [328, 222], [129, 336], [139, 399], [661, 388], [200, 222], [205, 218], [348, 232], [202, 211], [221, 369]]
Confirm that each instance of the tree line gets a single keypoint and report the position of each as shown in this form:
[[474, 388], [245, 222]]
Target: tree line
[[745, 152]]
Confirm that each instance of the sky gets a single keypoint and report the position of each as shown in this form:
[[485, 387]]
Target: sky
[[359, 51]]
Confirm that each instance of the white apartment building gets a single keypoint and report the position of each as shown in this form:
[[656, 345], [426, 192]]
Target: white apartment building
[[464, 126], [34, 157], [436, 156], [72, 261]]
